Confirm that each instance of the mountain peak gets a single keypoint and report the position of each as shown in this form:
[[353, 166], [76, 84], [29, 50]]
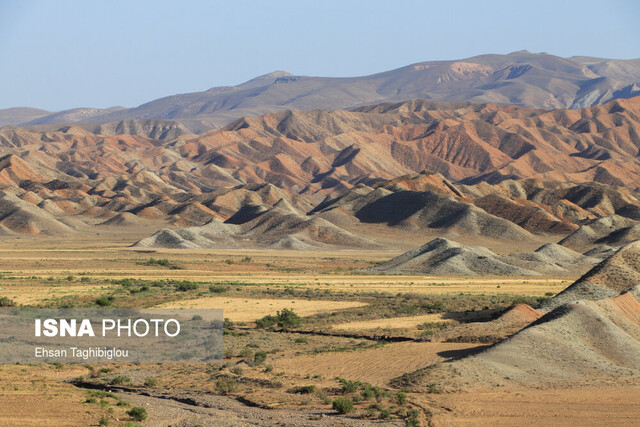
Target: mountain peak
[[265, 79]]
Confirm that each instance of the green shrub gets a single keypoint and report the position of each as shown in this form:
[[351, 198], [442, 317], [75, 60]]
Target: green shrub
[[104, 301], [120, 379], [304, 389], [349, 386], [411, 419], [379, 393], [7, 302], [385, 414], [137, 413], [259, 357], [226, 386], [218, 289], [186, 286], [343, 405], [286, 318], [124, 282], [237, 370], [150, 382], [401, 398], [267, 321], [367, 392], [103, 421]]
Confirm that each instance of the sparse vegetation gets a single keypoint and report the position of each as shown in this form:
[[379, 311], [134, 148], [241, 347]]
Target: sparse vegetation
[[226, 386], [286, 318], [150, 382], [119, 379], [305, 389], [343, 405], [186, 286], [164, 262], [349, 386], [259, 357], [7, 302], [137, 413], [218, 289], [104, 301]]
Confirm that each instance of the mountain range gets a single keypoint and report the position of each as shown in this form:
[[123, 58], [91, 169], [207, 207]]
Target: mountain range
[[533, 80], [366, 177]]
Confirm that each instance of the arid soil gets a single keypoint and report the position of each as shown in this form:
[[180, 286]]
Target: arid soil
[[248, 310], [585, 406], [402, 348]]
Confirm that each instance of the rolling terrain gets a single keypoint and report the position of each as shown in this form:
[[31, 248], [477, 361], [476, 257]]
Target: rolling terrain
[[356, 178], [534, 80]]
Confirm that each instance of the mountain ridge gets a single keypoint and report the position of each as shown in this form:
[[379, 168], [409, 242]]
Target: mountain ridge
[[533, 80]]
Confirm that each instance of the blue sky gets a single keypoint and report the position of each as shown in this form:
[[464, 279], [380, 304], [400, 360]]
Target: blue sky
[[63, 54]]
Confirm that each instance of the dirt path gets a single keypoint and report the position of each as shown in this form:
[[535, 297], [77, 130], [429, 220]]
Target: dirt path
[[220, 411]]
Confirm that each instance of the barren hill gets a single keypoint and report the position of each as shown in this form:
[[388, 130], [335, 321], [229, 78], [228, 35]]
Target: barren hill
[[281, 226], [590, 331], [618, 273], [444, 257], [597, 340], [615, 230], [468, 142], [536, 80], [347, 168], [13, 116]]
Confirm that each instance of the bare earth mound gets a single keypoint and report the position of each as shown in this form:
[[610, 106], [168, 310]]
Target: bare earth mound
[[618, 273], [575, 342], [445, 257], [279, 227], [510, 322]]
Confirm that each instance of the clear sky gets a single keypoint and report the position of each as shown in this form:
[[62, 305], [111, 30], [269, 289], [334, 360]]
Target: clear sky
[[63, 54]]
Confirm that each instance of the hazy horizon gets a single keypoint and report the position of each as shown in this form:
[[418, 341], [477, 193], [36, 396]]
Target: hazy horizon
[[78, 54]]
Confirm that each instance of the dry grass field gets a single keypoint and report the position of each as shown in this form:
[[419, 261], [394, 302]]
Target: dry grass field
[[358, 334]]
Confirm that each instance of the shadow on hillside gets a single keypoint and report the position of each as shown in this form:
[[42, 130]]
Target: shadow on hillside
[[459, 354]]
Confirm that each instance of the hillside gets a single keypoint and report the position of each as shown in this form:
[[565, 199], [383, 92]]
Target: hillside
[[535, 80], [604, 344], [616, 274], [444, 257], [590, 334], [460, 169]]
